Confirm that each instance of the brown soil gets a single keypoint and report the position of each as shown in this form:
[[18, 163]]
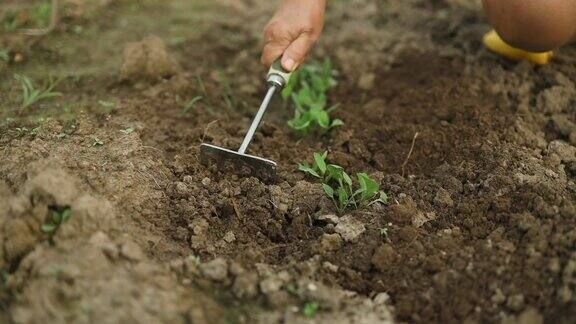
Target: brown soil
[[482, 224]]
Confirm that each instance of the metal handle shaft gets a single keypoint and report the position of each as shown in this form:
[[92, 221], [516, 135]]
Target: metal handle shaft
[[257, 119]]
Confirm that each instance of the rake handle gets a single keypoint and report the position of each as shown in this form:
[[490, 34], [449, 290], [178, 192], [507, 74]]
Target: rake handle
[[277, 79]]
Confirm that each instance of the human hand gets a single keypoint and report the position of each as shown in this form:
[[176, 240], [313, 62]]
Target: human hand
[[292, 31]]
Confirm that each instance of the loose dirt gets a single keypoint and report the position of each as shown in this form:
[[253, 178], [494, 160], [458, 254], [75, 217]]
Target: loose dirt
[[482, 222]]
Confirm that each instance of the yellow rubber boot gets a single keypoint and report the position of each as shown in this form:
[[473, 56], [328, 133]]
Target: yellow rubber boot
[[494, 43]]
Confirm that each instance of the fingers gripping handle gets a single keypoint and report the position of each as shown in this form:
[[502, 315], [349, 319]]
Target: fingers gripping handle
[[277, 75]]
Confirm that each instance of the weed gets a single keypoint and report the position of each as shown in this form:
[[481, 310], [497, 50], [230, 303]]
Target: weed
[[57, 218], [228, 94], [127, 131], [23, 131], [97, 142], [40, 15], [339, 187], [307, 90], [383, 232], [5, 55], [109, 106], [31, 95], [291, 289], [310, 309], [190, 104]]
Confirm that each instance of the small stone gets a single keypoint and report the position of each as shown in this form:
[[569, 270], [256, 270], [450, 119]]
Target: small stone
[[181, 188], [349, 228], [206, 182], [562, 124], [330, 243], [531, 316], [330, 266], [443, 199], [328, 218], [177, 265], [246, 285], [572, 138], [366, 81], [515, 302], [384, 257], [216, 269], [131, 251], [565, 151], [381, 298], [188, 179], [274, 282], [229, 237]]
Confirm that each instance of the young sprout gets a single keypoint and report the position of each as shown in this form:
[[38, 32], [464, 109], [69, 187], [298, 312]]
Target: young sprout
[[127, 130], [4, 55], [190, 104], [383, 232], [56, 219], [307, 90], [340, 187], [310, 309], [97, 142], [31, 95]]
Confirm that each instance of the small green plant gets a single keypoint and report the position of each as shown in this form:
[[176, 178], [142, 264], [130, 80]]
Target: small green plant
[[190, 104], [127, 131], [383, 231], [5, 55], [57, 217], [31, 95], [307, 91], [109, 106], [40, 15], [23, 131], [310, 309], [97, 142], [339, 187]]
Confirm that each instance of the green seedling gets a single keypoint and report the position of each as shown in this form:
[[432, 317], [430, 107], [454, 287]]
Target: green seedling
[[307, 91], [310, 309], [56, 219], [127, 131], [97, 142], [23, 131], [5, 55], [190, 104], [109, 106], [340, 187], [383, 232], [40, 15], [32, 95]]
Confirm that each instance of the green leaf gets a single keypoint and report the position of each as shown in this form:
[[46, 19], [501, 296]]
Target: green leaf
[[56, 217], [307, 169], [328, 190], [320, 163], [384, 199], [347, 178], [310, 309], [48, 228], [343, 197], [369, 186], [336, 123], [66, 214]]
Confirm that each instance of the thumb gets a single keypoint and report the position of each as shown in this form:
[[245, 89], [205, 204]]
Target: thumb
[[295, 54]]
